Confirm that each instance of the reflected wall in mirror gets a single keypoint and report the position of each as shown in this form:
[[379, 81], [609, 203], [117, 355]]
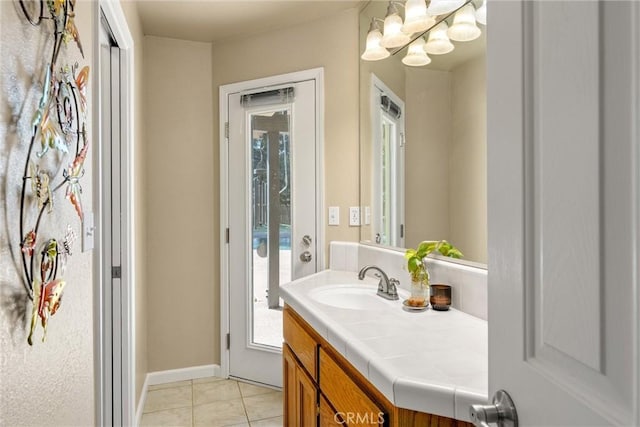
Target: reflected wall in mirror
[[423, 147]]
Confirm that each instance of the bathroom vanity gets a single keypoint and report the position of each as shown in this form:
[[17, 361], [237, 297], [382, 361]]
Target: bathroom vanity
[[353, 358]]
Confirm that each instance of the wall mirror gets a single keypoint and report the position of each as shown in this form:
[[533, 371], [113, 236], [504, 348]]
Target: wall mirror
[[423, 146]]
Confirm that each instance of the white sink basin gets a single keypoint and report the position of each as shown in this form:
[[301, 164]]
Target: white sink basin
[[354, 297]]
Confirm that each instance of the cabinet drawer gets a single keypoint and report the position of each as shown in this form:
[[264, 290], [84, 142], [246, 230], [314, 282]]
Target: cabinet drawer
[[350, 401], [302, 344]]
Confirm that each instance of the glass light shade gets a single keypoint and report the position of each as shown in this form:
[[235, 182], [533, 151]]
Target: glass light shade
[[416, 55], [441, 7], [464, 26], [393, 35], [416, 18], [374, 51], [481, 13], [439, 43]]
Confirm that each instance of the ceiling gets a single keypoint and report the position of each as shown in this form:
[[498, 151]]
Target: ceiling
[[216, 20]]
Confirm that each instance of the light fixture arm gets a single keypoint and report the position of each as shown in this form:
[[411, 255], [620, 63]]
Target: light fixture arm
[[375, 24]]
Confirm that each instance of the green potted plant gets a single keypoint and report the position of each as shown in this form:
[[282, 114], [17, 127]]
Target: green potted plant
[[418, 268]]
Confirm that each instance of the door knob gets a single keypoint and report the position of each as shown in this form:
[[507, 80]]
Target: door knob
[[305, 256], [306, 240], [502, 412]]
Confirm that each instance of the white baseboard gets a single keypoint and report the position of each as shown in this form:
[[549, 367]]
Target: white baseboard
[[183, 374], [174, 375]]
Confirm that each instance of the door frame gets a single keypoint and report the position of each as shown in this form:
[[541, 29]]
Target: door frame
[[316, 74], [103, 321]]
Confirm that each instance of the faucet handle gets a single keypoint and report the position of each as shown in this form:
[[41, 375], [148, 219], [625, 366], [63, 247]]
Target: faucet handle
[[393, 288]]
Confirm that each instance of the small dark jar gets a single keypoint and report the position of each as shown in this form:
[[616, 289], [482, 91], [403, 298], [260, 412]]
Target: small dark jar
[[440, 297]]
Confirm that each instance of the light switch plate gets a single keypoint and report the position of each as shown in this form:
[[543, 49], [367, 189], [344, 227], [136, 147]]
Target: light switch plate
[[334, 215], [88, 231], [354, 216]]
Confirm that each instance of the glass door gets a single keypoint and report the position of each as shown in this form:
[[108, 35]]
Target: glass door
[[272, 219]]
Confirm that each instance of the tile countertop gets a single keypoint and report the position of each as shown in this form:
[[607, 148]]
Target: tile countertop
[[429, 361]]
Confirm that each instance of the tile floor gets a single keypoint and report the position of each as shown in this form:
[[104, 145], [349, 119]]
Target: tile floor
[[212, 402]]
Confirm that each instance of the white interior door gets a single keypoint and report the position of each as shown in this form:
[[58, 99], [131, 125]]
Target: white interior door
[[272, 218], [111, 293], [563, 115]]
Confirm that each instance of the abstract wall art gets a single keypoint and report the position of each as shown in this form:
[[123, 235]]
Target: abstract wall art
[[54, 163]]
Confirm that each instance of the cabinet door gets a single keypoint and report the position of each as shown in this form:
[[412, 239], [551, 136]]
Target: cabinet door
[[353, 404], [300, 393], [307, 399], [289, 383]]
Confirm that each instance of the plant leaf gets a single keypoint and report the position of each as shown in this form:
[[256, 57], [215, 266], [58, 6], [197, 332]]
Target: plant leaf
[[414, 264]]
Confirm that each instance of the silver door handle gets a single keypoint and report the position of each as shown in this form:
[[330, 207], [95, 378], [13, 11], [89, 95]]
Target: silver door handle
[[306, 256], [502, 412], [306, 240]]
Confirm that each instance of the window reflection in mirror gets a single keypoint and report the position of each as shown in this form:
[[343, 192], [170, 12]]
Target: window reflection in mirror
[[443, 143]]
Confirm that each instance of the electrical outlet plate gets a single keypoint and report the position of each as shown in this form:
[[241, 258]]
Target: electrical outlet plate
[[354, 216], [334, 215]]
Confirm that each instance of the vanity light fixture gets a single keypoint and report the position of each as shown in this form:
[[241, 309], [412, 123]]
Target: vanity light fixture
[[416, 18], [464, 26], [416, 55], [420, 20], [442, 7], [439, 43], [393, 36], [374, 51], [481, 13]]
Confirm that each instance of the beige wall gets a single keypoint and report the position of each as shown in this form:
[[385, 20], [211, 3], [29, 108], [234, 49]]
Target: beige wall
[[429, 130], [50, 383], [468, 160], [133, 20], [182, 228], [182, 82]]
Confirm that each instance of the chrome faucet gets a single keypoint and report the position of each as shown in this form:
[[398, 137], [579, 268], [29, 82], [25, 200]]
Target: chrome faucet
[[387, 288]]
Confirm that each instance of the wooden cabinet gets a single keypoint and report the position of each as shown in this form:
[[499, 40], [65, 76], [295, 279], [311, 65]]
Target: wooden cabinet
[[329, 417], [349, 399], [300, 393], [301, 342], [321, 388]]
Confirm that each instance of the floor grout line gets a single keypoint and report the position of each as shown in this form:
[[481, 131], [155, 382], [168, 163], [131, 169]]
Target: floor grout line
[[192, 404], [246, 414], [193, 415]]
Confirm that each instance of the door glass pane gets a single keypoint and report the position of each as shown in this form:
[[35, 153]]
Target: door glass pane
[[270, 221], [387, 171]]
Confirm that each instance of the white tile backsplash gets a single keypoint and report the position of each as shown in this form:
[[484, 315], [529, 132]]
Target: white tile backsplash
[[469, 284], [343, 256]]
